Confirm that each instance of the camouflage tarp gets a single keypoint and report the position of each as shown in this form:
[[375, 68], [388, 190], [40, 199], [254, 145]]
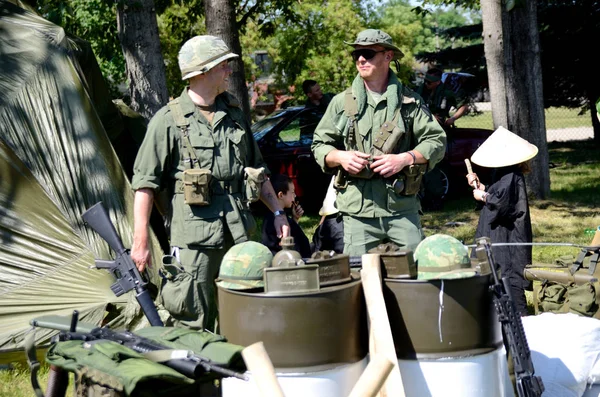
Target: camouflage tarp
[[56, 160]]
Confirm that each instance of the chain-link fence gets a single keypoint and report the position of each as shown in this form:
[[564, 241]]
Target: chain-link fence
[[562, 124]]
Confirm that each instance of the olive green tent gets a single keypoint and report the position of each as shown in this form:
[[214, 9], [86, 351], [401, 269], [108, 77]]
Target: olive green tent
[[56, 161]]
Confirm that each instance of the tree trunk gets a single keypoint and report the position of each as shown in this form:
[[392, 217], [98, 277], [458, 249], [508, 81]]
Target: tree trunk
[[525, 97], [493, 42], [512, 53], [221, 22], [138, 34]]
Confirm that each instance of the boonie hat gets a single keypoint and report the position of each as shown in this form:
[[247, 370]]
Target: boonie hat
[[329, 207], [202, 53], [379, 37], [242, 266], [503, 148], [442, 257]]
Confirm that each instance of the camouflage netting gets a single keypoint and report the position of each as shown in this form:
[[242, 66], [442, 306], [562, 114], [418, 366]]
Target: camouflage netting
[[56, 160]]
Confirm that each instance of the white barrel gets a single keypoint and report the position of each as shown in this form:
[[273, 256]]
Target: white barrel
[[474, 376], [331, 382]]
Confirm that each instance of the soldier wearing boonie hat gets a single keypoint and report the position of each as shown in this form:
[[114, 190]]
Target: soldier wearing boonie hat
[[200, 150], [505, 216], [371, 135]]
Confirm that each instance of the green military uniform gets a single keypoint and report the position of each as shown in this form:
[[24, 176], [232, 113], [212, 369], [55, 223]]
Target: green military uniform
[[372, 210], [201, 234], [435, 100]]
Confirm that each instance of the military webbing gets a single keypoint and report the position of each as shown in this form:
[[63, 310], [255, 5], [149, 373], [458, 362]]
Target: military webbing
[[183, 125], [351, 111]]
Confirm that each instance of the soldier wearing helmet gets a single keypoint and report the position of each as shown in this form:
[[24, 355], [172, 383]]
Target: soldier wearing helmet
[[372, 134], [198, 149], [242, 266]]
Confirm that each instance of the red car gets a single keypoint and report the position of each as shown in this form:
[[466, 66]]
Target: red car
[[285, 139]]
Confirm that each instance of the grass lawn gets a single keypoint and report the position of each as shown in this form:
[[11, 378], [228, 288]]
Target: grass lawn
[[555, 118]]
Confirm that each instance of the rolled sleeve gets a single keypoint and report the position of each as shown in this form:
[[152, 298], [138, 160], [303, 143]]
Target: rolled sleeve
[[329, 133], [430, 137], [150, 162]]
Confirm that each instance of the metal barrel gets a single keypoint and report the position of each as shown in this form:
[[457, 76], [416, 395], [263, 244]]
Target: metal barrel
[[559, 277]]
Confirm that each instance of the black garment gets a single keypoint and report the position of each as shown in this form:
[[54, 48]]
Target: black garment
[[329, 236], [270, 239], [505, 219]]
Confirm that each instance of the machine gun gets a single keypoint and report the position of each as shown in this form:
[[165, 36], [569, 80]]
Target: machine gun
[[183, 361], [127, 275], [528, 385]]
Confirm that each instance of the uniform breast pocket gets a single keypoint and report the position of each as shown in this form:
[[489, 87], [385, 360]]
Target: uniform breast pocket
[[238, 145], [203, 147]]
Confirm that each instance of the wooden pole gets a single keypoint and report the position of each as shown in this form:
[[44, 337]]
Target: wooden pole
[[373, 378], [380, 331], [259, 364]]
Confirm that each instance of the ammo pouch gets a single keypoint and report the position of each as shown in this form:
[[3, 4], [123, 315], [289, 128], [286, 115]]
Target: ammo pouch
[[409, 180], [254, 179], [196, 186]]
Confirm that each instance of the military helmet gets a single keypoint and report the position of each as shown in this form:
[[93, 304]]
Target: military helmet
[[442, 257], [202, 53], [243, 264], [376, 37]]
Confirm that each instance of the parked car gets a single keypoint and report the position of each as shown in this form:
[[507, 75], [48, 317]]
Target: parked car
[[285, 139]]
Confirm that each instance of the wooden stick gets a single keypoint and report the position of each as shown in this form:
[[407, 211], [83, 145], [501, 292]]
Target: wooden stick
[[373, 378], [380, 330], [259, 364], [470, 171]]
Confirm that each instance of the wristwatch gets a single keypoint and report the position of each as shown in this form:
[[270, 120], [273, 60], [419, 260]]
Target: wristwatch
[[277, 213]]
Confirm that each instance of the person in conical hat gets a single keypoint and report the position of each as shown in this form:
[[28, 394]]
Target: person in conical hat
[[505, 216]]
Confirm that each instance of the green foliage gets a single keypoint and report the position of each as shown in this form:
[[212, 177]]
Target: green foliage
[[176, 24], [94, 21]]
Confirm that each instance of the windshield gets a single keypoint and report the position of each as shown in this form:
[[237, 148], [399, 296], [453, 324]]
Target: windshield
[[262, 127]]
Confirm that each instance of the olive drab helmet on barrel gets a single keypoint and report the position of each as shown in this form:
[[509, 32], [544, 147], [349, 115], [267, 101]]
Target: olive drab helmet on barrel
[[442, 257], [242, 266]]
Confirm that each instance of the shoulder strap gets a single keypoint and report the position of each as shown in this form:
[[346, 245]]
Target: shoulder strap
[[351, 111], [188, 155]]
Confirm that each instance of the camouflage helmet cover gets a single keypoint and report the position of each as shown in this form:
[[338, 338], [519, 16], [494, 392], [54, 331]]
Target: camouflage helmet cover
[[442, 257], [242, 266], [202, 53], [376, 37]]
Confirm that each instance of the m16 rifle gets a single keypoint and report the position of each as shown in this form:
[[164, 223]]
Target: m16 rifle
[[127, 275], [527, 384]]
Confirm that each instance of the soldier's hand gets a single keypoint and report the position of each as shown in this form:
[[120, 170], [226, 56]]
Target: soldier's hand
[[140, 254], [282, 227], [390, 164], [353, 161]]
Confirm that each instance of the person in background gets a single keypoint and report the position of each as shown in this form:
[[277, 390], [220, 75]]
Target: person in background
[[329, 235], [198, 148], [286, 198], [505, 216], [376, 193], [440, 99], [315, 97]]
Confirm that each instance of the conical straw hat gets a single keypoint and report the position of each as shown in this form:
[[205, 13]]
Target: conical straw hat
[[503, 148], [328, 207]]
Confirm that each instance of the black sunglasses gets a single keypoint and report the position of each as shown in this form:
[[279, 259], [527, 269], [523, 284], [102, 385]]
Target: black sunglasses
[[365, 53]]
